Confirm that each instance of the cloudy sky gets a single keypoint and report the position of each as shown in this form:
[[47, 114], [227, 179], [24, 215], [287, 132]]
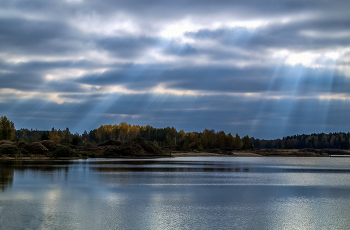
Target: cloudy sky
[[266, 69]]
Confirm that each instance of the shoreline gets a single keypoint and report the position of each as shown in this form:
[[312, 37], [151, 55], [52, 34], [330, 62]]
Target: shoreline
[[173, 155], [259, 153], [207, 154]]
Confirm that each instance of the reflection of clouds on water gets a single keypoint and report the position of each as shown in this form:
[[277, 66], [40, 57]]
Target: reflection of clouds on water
[[305, 213], [163, 214], [50, 208], [215, 193], [293, 213]]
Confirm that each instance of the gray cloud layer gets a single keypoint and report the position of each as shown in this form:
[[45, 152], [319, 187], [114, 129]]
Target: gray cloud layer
[[263, 68]]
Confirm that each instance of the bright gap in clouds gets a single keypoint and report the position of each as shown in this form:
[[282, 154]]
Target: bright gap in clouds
[[178, 29], [308, 59]]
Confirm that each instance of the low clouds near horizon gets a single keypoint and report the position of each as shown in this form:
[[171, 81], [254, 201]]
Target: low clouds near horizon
[[266, 69]]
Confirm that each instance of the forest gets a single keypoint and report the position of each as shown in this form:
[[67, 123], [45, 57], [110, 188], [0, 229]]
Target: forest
[[169, 138]]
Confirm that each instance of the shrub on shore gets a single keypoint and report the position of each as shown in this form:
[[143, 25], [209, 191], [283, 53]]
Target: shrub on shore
[[64, 151], [9, 150], [36, 148], [7, 142], [50, 145], [134, 147]]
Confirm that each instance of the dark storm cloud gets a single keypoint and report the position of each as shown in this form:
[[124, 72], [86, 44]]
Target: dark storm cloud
[[304, 81], [292, 35], [134, 74], [127, 47], [131, 47], [31, 76], [196, 78], [177, 49], [40, 66], [20, 81], [164, 9], [151, 14], [34, 82], [33, 37], [242, 9]]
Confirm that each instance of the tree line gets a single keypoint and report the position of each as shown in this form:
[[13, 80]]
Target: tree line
[[171, 138], [336, 140]]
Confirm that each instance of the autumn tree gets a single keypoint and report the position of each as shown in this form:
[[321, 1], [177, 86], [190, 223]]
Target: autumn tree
[[7, 129], [200, 147], [60, 134], [221, 139], [182, 133], [229, 141], [204, 141], [134, 131], [124, 130], [53, 135], [211, 135], [66, 136], [238, 142]]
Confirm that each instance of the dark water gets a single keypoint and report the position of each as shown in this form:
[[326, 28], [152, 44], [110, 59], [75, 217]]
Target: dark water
[[177, 193]]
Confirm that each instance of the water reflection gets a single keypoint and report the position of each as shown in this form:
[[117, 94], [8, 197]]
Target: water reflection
[[6, 176], [180, 193]]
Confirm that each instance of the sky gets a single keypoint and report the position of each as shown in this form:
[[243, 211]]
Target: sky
[[266, 69]]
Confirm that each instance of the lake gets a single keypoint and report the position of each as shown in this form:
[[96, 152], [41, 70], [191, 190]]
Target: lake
[[176, 193]]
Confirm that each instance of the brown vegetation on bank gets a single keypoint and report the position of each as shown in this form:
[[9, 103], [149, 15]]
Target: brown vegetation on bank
[[135, 148]]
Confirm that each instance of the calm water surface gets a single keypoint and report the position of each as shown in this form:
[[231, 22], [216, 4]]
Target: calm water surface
[[176, 193]]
